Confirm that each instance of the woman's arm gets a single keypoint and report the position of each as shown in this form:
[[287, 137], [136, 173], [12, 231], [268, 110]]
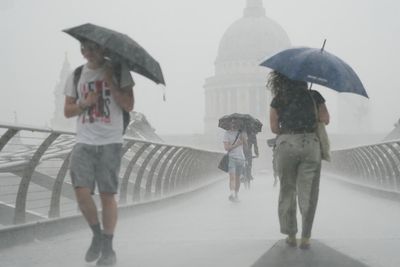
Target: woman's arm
[[228, 147], [323, 113], [274, 120]]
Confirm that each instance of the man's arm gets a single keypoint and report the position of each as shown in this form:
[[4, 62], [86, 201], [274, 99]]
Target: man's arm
[[73, 108], [123, 96]]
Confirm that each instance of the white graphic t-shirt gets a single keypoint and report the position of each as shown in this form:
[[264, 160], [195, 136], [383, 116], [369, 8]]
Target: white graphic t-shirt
[[102, 123], [230, 137]]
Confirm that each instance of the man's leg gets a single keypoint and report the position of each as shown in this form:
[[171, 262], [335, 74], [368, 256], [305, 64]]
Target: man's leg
[[89, 211], [87, 205], [109, 218], [109, 212]]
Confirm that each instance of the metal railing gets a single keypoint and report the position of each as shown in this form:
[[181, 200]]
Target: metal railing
[[375, 165], [35, 184]]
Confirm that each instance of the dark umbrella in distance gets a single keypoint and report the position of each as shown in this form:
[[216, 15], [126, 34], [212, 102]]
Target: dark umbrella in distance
[[121, 48], [318, 66], [248, 122]]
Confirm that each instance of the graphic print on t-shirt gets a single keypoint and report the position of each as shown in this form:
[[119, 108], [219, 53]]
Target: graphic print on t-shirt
[[100, 112]]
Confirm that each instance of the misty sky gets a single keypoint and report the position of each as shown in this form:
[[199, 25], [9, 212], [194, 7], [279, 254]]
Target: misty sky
[[184, 37]]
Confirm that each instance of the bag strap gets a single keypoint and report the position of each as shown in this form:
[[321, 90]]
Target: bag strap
[[315, 109], [236, 138], [78, 73], [77, 76]]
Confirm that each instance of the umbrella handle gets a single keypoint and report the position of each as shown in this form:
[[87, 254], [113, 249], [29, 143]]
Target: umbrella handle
[[164, 93]]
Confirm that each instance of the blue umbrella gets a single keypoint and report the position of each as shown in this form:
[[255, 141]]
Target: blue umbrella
[[315, 65]]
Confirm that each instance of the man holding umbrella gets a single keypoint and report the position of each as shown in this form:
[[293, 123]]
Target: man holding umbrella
[[98, 98]]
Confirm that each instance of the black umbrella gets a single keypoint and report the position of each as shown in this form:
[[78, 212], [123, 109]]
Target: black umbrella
[[121, 48], [248, 122]]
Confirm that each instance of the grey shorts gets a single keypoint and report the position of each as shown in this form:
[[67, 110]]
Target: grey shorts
[[236, 166], [92, 165]]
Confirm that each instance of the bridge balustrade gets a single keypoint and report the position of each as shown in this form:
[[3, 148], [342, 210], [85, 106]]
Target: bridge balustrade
[[35, 183], [376, 165]]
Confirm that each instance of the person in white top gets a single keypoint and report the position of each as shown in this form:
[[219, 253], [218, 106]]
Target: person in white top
[[234, 139], [98, 100]]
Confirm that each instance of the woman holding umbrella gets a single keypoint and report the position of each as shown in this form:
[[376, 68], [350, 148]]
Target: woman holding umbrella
[[234, 140], [298, 157]]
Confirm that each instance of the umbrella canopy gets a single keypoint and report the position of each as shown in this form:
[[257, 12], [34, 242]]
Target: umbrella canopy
[[316, 66], [122, 48], [249, 123]]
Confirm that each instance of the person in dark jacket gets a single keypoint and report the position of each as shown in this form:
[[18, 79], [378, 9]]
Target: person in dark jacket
[[293, 119]]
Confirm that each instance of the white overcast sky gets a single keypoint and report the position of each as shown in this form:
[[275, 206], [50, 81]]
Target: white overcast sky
[[184, 35]]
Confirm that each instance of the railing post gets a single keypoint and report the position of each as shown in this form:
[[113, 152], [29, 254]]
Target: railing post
[[20, 205]]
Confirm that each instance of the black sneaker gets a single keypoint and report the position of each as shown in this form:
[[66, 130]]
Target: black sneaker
[[107, 258], [94, 250], [231, 198]]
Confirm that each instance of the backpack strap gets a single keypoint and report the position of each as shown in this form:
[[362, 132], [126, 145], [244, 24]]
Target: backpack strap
[[77, 76], [78, 73]]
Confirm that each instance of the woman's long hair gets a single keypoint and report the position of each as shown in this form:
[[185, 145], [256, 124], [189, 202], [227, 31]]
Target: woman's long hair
[[281, 85]]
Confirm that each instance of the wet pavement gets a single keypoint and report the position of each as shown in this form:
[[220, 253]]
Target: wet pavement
[[205, 229]]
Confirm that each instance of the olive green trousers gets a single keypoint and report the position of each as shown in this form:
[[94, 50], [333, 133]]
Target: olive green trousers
[[298, 163]]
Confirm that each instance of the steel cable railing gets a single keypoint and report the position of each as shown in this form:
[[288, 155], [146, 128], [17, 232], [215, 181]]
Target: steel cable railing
[[35, 182]]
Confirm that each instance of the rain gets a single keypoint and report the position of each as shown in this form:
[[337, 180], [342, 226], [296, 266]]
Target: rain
[[200, 227]]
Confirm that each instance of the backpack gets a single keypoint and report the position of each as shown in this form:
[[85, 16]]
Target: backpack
[[126, 117]]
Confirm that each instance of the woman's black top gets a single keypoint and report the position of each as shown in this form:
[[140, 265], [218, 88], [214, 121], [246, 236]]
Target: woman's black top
[[296, 110]]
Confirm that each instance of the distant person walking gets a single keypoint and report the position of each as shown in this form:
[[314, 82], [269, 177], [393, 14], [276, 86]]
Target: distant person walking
[[234, 140], [248, 150], [97, 98], [297, 152]]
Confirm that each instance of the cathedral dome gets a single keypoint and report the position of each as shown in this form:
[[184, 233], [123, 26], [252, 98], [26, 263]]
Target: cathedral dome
[[251, 38]]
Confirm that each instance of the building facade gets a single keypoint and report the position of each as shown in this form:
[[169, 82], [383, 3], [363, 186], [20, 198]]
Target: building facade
[[239, 83]]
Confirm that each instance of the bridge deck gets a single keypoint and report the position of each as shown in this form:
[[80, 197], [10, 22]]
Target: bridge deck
[[205, 229]]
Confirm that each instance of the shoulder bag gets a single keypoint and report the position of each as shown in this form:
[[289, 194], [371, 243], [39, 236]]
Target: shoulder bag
[[223, 164], [322, 135]]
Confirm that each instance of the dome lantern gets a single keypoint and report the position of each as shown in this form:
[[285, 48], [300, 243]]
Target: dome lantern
[[254, 8]]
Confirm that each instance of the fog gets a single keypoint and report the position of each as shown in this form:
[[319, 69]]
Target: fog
[[184, 37]]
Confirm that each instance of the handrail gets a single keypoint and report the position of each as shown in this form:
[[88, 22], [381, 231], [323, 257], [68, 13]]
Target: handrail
[[375, 165], [150, 170]]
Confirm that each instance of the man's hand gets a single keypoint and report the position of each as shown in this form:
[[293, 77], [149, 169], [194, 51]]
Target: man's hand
[[91, 99]]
